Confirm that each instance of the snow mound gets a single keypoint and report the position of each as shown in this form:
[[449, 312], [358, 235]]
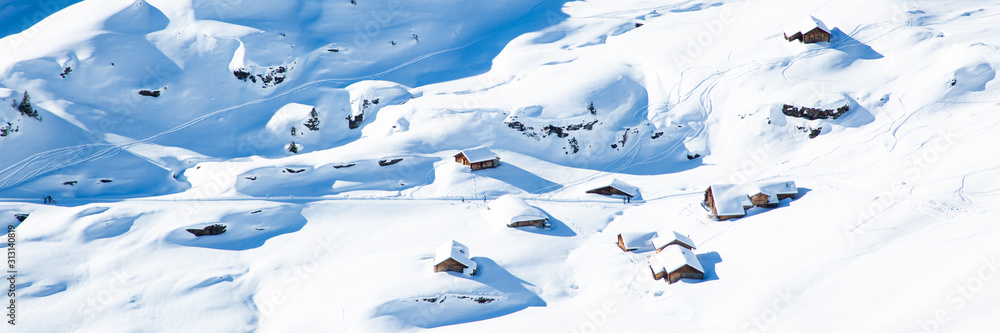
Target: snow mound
[[246, 230], [138, 18]]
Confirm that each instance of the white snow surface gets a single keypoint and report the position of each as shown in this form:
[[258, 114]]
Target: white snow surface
[[893, 228]]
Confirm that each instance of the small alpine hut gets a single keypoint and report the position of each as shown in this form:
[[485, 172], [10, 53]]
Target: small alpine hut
[[807, 30], [478, 158], [729, 201], [672, 238], [454, 257], [634, 241], [726, 201], [675, 263], [515, 212], [767, 195], [617, 187]]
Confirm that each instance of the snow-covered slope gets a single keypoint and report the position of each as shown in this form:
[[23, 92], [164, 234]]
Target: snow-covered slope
[[886, 130]]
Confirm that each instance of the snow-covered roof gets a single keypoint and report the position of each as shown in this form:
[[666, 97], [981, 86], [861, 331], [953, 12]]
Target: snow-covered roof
[[636, 240], [454, 250], [730, 199], [673, 258], [662, 241], [622, 186], [480, 154], [512, 209], [779, 188], [804, 25]]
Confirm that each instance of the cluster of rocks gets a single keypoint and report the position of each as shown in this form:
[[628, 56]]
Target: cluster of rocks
[[814, 113]]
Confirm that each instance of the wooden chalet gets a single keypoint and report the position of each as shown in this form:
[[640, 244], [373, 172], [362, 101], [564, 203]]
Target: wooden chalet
[[454, 257], [617, 187], [634, 241], [672, 238], [516, 213], [675, 263], [807, 30], [478, 158], [729, 201], [726, 201]]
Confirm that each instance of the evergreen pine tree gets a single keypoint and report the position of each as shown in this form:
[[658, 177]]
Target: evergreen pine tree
[[292, 148], [313, 122], [592, 109], [26, 109]]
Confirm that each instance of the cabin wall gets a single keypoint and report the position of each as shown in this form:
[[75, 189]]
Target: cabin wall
[[535, 223], [484, 164], [710, 200], [450, 265], [685, 272], [815, 36], [728, 217], [657, 275], [621, 244], [760, 200]]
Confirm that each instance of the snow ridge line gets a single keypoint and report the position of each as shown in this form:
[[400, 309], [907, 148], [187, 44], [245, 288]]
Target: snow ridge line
[[11, 171]]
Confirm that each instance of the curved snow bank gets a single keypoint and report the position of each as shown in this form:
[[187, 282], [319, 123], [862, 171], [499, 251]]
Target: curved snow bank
[[363, 175], [239, 58], [494, 292], [368, 97], [243, 230]]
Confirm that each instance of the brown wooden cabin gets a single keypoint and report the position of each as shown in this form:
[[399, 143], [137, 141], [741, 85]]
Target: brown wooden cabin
[[454, 257], [675, 263], [815, 35], [712, 205], [633, 241], [616, 187], [808, 30], [478, 159]]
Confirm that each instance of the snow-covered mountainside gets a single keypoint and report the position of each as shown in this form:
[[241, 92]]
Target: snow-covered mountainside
[[323, 135]]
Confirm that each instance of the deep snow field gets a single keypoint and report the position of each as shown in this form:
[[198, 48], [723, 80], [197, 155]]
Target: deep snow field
[[894, 228]]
